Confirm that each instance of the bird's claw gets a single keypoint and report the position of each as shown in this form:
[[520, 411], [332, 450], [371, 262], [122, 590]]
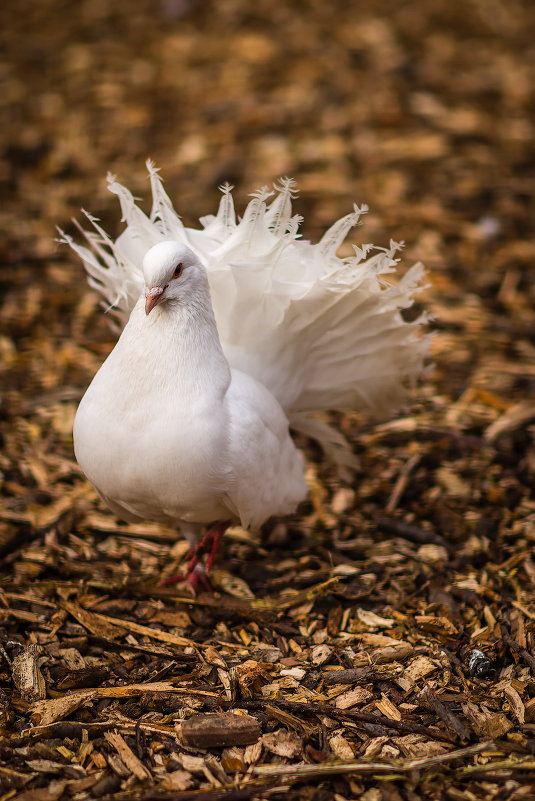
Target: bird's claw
[[196, 572], [198, 579]]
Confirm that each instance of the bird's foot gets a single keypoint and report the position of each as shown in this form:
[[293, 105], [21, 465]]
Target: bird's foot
[[198, 579], [196, 571]]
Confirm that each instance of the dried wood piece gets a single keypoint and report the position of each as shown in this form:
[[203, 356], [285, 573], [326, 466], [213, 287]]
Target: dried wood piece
[[43, 517], [358, 695], [529, 710], [157, 634], [419, 667], [361, 675], [14, 778], [410, 532], [292, 721], [27, 675], [389, 653], [94, 622], [517, 649], [219, 729], [117, 765], [517, 416], [328, 710], [402, 481], [484, 722], [129, 759], [176, 781], [283, 743], [387, 708], [251, 675], [361, 766], [434, 623], [52, 709], [516, 702], [451, 720], [373, 620], [341, 748]]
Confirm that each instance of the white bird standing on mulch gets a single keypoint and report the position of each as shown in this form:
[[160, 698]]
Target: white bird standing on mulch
[[233, 332]]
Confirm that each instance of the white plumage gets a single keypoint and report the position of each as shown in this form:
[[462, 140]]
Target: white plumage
[[168, 431], [184, 422]]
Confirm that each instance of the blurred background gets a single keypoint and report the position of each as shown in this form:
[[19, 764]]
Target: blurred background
[[422, 110]]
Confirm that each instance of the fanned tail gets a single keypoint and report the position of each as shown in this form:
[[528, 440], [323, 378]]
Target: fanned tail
[[334, 445], [279, 214], [321, 332], [335, 235], [162, 213]]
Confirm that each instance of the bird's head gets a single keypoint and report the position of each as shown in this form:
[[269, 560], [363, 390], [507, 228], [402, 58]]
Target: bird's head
[[171, 271]]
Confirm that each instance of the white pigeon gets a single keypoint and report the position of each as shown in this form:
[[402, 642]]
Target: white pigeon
[[234, 331], [168, 431]]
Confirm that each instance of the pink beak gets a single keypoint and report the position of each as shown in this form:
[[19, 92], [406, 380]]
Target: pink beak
[[153, 296]]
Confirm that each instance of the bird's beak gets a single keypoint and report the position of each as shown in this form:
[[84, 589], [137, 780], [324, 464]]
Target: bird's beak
[[153, 296]]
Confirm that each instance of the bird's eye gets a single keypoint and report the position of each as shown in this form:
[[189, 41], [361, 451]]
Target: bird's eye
[[179, 269]]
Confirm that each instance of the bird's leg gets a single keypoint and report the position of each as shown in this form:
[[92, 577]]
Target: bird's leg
[[213, 535], [198, 578], [195, 573]]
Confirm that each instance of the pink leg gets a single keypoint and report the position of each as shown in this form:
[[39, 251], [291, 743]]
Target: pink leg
[[195, 573], [215, 534]]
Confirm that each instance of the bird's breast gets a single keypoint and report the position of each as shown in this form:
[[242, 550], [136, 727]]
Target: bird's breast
[[162, 459]]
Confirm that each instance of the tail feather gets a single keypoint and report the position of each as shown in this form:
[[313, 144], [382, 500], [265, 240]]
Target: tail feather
[[334, 445], [335, 235], [162, 213], [319, 331], [279, 213]]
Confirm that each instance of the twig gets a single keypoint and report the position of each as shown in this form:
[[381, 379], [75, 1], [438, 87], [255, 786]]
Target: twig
[[227, 793], [291, 774], [360, 766], [514, 646], [445, 714], [318, 708], [503, 764], [401, 483], [360, 675], [412, 533]]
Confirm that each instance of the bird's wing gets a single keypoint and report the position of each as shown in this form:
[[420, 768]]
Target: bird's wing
[[267, 469]]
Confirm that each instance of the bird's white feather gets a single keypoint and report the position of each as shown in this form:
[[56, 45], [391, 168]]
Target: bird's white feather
[[319, 331], [169, 432]]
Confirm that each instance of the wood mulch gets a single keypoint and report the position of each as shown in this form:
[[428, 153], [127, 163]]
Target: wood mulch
[[380, 644]]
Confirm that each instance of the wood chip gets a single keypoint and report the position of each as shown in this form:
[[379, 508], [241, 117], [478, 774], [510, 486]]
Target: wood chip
[[353, 698], [27, 675], [484, 722], [126, 754], [219, 729]]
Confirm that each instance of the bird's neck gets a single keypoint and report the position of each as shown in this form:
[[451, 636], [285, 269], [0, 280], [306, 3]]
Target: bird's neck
[[179, 349]]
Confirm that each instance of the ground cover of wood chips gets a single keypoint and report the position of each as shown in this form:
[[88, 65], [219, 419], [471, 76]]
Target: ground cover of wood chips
[[380, 644]]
